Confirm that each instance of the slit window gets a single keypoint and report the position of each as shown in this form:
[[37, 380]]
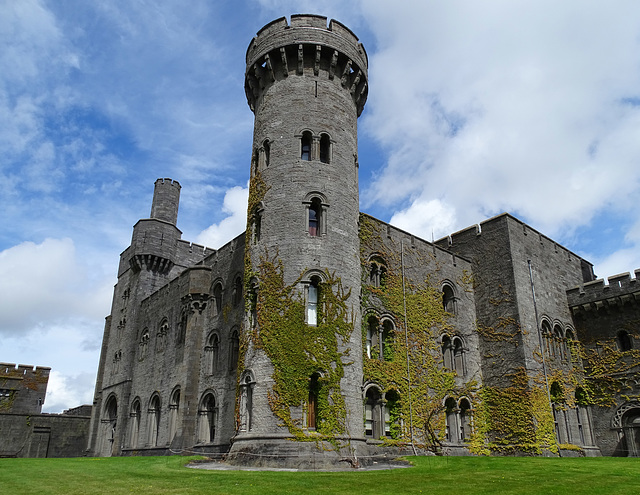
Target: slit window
[[325, 148]]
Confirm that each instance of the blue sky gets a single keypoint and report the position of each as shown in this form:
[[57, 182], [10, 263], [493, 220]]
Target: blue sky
[[474, 108]]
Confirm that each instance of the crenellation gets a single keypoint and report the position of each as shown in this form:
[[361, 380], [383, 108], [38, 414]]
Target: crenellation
[[620, 289]]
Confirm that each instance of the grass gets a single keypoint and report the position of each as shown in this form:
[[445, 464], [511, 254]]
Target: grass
[[468, 475]]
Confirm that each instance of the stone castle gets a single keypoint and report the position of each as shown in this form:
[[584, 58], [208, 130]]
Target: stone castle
[[322, 334]]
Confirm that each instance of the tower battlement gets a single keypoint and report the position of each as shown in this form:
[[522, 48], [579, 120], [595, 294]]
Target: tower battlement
[[306, 46], [620, 289]]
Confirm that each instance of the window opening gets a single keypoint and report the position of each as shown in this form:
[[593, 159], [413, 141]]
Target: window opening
[[372, 413], [306, 146], [207, 416], [234, 346], [174, 405], [624, 341], [312, 301], [325, 148], [217, 297], [213, 352], [392, 427], [450, 416], [465, 420], [154, 420], [314, 217], [267, 152], [312, 409], [237, 291], [448, 299], [135, 424]]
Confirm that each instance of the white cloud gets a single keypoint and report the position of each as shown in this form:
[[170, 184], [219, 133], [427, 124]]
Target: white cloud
[[235, 205], [426, 219], [41, 284], [497, 106], [65, 391]]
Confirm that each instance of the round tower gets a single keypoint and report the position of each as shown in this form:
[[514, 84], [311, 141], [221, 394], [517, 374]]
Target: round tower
[[306, 83]]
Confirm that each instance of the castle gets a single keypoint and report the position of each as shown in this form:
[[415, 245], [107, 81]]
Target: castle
[[323, 334]]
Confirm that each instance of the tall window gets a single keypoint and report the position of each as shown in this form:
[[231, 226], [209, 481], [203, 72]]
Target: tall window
[[306, 146], [246, 402], [217, 297], [392, 427], [174, 406], [237, 291], [386, 343], [212, 352], [267, 152], [372, 413], [558, 342], [465, 419], [234, 347], [458, 356], [154, 420], [315, 211], [144, 342], [207, 418], [448, 299], [135, 424], [377, 272], [312, 407], [325, 148], [312, 301], [450, 418]]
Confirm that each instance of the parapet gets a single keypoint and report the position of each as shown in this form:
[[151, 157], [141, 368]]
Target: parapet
[[306, 46], [23, 370], [620, 289]]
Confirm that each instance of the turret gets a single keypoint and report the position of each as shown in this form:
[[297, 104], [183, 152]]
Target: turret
[[306, 82]]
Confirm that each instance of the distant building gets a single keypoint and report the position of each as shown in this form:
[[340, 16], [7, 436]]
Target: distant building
[[323, 334], [24, 430]]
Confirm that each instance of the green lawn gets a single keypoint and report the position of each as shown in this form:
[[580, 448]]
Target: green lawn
[[455, 475]]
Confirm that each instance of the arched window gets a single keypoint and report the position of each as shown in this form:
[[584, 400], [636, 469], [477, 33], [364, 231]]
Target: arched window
[[556, 392], [451, 425], [387, 341], [212, 351], [624, 341], [134, 432], [234, 349], [315, 215], [182, 327], [582, 416], [392, 426], [458, 360], [372, 335], [558, 340], [547, 337], [464, 415], [372, 413], [154, 420], [377, 272], [246, 401], [631, 431], [305, 146], [143, 344], [325, 148], [448, 299], [207, 419], [447, 352], [313, 295], [217, 297], [237, 291], [312, 406], [174, 406], [161, 337], [256, 218], [110, 423]]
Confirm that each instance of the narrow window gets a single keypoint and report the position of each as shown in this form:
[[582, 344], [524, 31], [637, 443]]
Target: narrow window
[[237, 291], [174, 406], [306, 146], [447, 352], [392, 428], [212, 351], [135, 424], [458, 356], [234, 348], [207, 418], [257, 225], [325, 148], [314, 217], [465, 420], [387, 341], [110, 424], [246, 403], [312, 409], [558, 342], [217, 297], [372, 409], [312, 302], [154, 420], [448, 299], [144, 342], [450, 419], [372, 334]]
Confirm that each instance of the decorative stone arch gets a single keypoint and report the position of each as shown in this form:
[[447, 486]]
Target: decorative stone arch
[[315, 214], [247, 384], [174, 412], [207, 417], [449, 296], [627, 421], [153, 416], [212, 352]]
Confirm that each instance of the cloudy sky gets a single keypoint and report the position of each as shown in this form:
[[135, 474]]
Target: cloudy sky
[[475, 108]]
